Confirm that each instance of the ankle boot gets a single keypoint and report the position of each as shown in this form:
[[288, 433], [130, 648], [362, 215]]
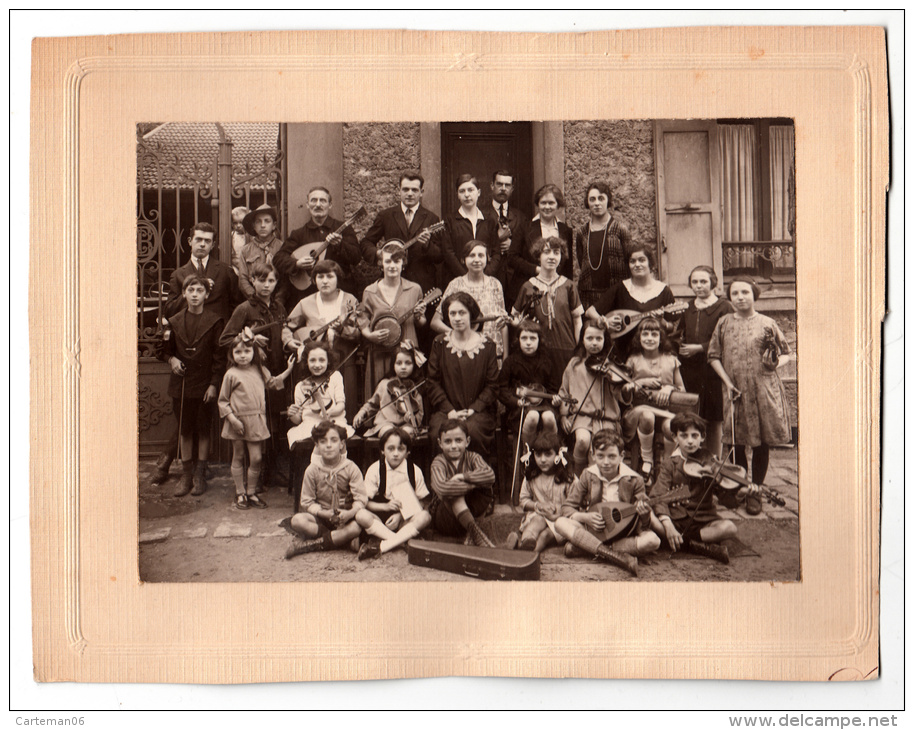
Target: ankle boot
[[199, 479], [186, 482], [480, 539], [163, 464], [708, 550], [300, 547], [620, 560]]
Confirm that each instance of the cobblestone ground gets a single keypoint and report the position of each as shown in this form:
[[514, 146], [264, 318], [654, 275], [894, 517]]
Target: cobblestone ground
[[206, 539]]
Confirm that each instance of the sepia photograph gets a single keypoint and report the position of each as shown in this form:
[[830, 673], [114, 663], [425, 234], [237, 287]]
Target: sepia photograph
[[506, 350]]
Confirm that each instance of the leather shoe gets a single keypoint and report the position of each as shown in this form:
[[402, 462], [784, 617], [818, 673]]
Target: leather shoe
[[753, 504], [370, 549]]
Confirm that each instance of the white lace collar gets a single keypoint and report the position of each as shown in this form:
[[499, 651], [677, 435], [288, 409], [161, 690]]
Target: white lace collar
[[461, 351]]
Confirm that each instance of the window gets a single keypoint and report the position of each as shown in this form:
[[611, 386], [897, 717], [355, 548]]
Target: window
[[757, 197]]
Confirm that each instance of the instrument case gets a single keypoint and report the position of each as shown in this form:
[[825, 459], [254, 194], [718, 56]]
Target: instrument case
[[476, 562]]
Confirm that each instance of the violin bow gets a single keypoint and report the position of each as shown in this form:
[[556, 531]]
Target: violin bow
[[612, 346]]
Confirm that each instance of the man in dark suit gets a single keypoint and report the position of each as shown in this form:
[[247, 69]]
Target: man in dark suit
[[512, 224], [403, 222], [225, 294], [343, 248]]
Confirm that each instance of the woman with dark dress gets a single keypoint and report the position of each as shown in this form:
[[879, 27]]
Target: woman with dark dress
[[599, 248], [641, 293], [547, 201], [462, 374], [698, 323]]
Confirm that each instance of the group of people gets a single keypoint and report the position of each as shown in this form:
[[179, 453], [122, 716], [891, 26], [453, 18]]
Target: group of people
[[588, 353]]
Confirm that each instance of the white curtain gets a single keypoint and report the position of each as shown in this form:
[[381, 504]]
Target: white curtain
[[781, 155], [738, 150]]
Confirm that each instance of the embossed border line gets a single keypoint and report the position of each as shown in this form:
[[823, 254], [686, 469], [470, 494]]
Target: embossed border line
[[866, 365]]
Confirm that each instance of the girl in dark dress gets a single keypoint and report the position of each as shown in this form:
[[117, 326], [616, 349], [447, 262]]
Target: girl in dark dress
[[698, 323], [599, 248]]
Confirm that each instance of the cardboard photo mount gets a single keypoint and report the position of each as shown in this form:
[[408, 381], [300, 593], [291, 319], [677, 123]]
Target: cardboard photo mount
[[94, 620]]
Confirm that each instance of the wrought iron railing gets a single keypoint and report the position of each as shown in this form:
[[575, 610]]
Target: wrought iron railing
[[761, 258]]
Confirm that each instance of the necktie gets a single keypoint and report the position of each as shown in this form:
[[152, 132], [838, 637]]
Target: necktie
[[409, 217], [199, 266], [501, 214]]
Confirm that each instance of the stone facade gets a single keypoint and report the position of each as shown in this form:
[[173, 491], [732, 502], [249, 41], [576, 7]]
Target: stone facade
[[621, 153], [374, 155]]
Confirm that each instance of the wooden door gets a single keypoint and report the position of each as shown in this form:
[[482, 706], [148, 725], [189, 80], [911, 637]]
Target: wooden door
[[481, 148], [687, 160]]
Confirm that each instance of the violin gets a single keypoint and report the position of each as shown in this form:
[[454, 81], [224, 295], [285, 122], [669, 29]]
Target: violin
[[534, 395], [405, 397], [617, 373], [315, 395], [727, 476]]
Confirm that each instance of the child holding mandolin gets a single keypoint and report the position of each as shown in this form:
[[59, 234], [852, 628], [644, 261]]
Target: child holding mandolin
[[692, 524], [607, 481], [397, 401]]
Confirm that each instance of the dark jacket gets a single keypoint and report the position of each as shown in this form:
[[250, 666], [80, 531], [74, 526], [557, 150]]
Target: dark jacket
[[203, 358], [346, 254], [521, 262], [518, 224], [222, 300], [423, 261], [459, 230]]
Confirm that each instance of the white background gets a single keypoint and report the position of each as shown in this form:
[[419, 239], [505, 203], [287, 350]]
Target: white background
[[31, 699]]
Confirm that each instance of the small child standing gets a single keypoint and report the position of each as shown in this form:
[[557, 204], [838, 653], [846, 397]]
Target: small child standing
[[390, 407], [746, 350], [318, 397], [242, 402], [526, 367], [546, 483], [596, 397], [694, 524], [396, 491], [462, 484], [192, 352], [332, 495], [608, 480], [655, 370]]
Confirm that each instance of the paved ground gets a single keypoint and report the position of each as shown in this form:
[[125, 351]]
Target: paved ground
[[206, 539]]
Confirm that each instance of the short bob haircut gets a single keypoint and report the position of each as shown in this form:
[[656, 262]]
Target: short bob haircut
[[465, 178], [463, 298], [645, 248], [325, 266], [320, 431], [201, 280], [470, 245], [603, 187], [709, 271], [552, 242], [411, 176], [756, 292], [684, 421], [545, 190], [399, 433], [395, 250]]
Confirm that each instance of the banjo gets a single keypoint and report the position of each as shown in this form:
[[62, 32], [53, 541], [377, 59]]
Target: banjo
[[393, 324], [301, 280], [433, 228]]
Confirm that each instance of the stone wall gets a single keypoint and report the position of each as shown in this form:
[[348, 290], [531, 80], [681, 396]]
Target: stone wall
[[374, 156], [621, 153]]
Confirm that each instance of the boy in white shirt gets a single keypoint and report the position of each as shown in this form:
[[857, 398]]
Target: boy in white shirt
[[397, 493]]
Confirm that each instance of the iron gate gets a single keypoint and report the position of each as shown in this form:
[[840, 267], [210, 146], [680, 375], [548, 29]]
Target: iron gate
[[188, 173]]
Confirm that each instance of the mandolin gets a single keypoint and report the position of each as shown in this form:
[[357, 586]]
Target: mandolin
[[393, 324], [619, 515], [433, 228], [631, 317], [301, 280]]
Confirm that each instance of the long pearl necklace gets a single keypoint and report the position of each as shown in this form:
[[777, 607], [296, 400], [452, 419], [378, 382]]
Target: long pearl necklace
[[602, 248]]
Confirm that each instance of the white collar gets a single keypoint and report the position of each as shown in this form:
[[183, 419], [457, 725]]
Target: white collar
[[624, 471], [496, 204], [405, 208], [478, 217], [654, 291], [677, 452], [400, 469], [203, 261]]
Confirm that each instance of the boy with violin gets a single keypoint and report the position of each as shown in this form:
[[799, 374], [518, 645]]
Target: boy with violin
[[693, 524]]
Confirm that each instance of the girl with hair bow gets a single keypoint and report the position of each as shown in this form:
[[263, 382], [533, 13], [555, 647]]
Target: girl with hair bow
[[397, 400], [547, 480]]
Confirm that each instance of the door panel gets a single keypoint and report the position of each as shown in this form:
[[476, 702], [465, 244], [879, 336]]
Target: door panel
[[481, 148], [688, 200]]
